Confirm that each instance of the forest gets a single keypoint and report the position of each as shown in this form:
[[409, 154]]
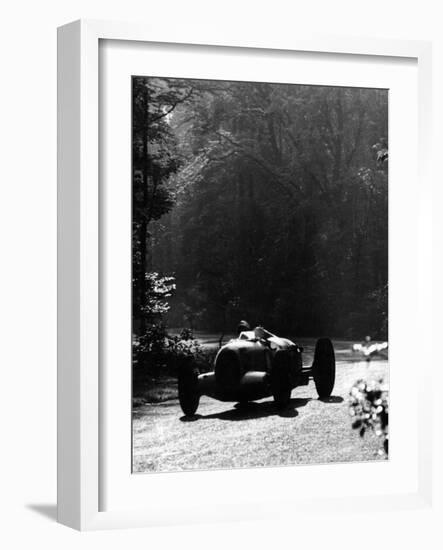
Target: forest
[[259, 201]]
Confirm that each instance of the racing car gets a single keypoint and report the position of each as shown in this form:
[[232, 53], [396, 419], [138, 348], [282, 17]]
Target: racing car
[[255, 365]]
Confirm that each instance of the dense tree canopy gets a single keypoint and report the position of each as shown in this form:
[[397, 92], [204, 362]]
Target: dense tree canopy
[[264, 201]]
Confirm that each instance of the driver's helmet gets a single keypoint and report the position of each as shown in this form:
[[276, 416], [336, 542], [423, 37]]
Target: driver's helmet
[[243, 326]]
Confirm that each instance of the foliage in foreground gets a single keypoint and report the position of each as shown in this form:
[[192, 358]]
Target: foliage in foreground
[[369, 405]]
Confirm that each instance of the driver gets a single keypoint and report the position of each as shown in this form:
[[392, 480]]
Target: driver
[[259, 334]]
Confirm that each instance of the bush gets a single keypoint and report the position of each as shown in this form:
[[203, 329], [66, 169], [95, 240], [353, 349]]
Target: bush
[[369, 405], [158, 353], [180, 348], [148, 349]]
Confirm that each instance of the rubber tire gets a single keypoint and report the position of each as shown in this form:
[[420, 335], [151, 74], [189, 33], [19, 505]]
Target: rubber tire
[[188, 393], [280, 379], [323, 368]]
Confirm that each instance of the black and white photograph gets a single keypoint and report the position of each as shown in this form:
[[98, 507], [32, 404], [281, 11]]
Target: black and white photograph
[[259, 274], [222, 274]]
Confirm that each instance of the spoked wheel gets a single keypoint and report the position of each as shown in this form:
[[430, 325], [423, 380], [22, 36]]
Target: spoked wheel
[[323, 368], [280, 379], [188, 393]]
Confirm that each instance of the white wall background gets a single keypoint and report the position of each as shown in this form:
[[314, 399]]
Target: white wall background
[[28, 267]]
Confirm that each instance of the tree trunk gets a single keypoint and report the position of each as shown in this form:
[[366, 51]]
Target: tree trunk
[[144, 222]]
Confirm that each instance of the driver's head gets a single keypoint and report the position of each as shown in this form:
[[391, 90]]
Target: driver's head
[[243, 326]]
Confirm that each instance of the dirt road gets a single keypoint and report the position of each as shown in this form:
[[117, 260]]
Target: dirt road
[[222, 435]]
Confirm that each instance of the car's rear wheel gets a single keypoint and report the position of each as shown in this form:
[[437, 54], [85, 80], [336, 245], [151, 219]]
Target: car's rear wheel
[[280, 379], [188, 393], [323, 368]]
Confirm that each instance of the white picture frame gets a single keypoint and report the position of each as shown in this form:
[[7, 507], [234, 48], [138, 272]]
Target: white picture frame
[[79, 370]]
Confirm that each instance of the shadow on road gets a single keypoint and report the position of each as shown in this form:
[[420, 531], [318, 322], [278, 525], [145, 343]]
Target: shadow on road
[[253, 410], [332, 399]]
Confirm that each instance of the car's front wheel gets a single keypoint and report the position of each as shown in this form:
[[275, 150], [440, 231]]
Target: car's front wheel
[[188, 392], [323, 368]]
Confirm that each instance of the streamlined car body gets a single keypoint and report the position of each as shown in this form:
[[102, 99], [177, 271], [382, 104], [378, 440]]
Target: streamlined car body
[[256, 365]]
